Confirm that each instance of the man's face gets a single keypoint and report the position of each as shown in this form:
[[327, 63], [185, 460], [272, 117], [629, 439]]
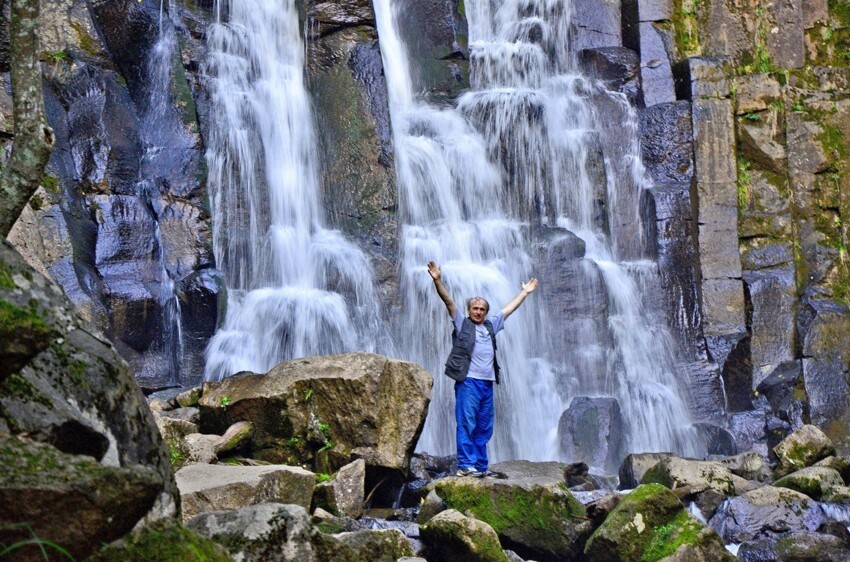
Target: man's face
[[477, 311]]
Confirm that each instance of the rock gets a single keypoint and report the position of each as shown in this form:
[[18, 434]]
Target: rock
[[765, 511], [210, 487], [236, 436], [635, 466], [718, 441], [803, 448], [373, 407], [453, 537], [759, 146], [755, 92], [200, 448], [597, 24], [769, 255], [378, 546], [343, 494], [70, 500], [530, 510], [698, 476], [617, 67], [165, 540], [656, 75], [749, 465], [666, 144], [703, 77], [841, 464], [651, 523], [783, 390], [811, 546], [431, 505], [263, 532], [598, 509], [786, 48], [189, 398], [76, 394], [814, 481], [590, 431], [772, 294]]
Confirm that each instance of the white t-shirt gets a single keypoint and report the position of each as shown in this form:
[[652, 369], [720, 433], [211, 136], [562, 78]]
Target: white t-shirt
[[481, 365]]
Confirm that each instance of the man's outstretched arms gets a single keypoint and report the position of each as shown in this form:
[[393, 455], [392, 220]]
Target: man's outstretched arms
[[527, 289], [436, 275]]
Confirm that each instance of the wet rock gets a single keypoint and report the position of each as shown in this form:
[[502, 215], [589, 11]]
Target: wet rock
[[840, 464], [264, 532], [635, 466], [646, 10], [373, 407], [667, 141], [703, 77], [431, 506], [331, 16], [811, 546], [590, 431], [656, 75], [698, 476], [749, 465], [783, 390], [770, 255], [764, 512], [748, 428], [343, 494], [718, 441], [597, 24], [631, 530], [772, 294], [70, 500], [803, 448], [814, 481], [617, 67], [210, 487], [454, 537], [546, 505], [202, 301]]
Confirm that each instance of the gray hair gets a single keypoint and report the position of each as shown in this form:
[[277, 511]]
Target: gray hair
[[473, 299]]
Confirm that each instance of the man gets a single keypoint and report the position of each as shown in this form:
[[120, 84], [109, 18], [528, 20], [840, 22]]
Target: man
[[472, 364]]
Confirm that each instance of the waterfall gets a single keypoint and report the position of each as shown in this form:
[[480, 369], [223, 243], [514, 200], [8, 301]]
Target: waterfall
[[295, 288], [533, 146]]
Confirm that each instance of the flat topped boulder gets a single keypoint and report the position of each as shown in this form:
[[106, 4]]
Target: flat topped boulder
[[803, 448], [765, 512], [212, 487], [357, 405]]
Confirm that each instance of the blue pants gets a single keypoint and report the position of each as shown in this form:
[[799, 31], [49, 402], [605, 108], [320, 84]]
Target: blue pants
[[474, 413]]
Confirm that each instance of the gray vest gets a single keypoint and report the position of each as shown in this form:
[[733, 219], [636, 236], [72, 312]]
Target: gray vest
[[457, 365]]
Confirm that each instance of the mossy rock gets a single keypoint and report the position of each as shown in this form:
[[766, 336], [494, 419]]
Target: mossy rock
[[803, 448], [650, 524], [536, 518], [454, 537], [814, 481], [375, 546], [699, 475], [165, 540]]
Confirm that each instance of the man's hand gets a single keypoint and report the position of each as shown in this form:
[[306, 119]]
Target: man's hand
[[434, 271], [530, 285]]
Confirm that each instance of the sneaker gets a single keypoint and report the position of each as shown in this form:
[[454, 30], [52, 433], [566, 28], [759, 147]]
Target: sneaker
[[488, 474], [471, 471]]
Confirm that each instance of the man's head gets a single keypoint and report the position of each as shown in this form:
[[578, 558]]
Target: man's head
[[477, 309]]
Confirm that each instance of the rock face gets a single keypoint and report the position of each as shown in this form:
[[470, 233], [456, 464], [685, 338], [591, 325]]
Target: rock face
[[70, 394], [357, 405], [590, 431], [209, 487]]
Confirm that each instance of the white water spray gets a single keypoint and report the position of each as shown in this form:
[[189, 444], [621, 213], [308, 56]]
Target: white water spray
[[295, 288]]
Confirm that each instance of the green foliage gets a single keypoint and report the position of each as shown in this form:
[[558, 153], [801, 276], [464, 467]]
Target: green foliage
[[6, 281], [686, 27], [176, 456], [755, 117], [324, 428], [36, 202], [43, 545], [27, 322], [54, 56], [322, 477], [224, 402], [50, 183], [309, 394], [329, 444], [744, 183]]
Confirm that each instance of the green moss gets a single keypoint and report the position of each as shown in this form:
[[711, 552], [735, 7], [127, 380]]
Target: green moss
[[16, 386], [330, 527], [6, 281], [745, 182], [77, 372], [686, 27], [86, 41], [163, 541], [666, 539], [36, 202], [50, 183], [840, 10], [181, 92], [22, 322], [809, 486], [461, 8]]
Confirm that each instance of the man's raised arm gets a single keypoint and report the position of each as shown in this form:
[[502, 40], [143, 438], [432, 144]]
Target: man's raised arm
[[527, 289], [436, 274]]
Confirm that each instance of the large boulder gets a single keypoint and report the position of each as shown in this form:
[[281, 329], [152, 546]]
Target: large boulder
[[803, 448], [343, 494], [211, 487], [591, 431], [453, 537], [651, 524], [814, 481], [63, 384], [163, 541], [698, 476], [635, 466], [265, 532], [530, 509], [767, 511], [357, 405], [386, 545]]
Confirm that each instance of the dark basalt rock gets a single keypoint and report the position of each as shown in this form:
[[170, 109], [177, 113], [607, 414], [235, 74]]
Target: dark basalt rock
[[591, 430], [783, 388], [617, 67], [718, 441], [667, 141], [596, 24]]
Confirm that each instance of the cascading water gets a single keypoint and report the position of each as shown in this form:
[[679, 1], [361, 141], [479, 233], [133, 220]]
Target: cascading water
[[294, 287], [534, 143]]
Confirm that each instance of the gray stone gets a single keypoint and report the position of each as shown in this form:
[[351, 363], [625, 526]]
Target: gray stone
[[748, 428], [805, 151], [758, 145], [656, 75], [454, 537], [590, 431], [635, 465], [379, 546], [271, 532], [431, 506], [200, 448], [803, 448], [814, 481], [766, 511], [718, 244], [723, 309], [236, 437], [815, 12], [210, 487], [749, 465], [703, 77], [786, 44], [344, 493], [597, 24], [717, 440], [781, 388], [769, 255], [189, 398], [755, 92], [667, 141], [696, 476], [617, 67], [714, 144], [772, 294]]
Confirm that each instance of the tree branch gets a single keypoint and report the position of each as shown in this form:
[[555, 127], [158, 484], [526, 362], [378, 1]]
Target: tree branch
[[34, 139]]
